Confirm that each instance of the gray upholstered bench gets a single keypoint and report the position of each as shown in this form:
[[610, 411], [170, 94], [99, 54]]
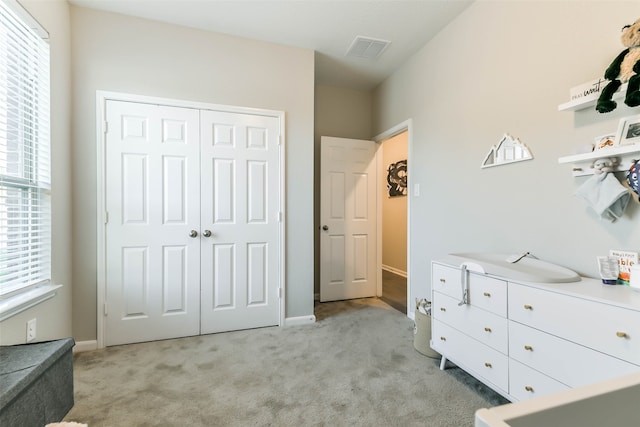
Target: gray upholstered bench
[[36, 383]]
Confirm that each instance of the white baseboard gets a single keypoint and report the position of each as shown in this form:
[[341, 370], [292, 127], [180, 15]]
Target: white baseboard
[[85, 346], [394, 270], [300, 320], [91, 345]]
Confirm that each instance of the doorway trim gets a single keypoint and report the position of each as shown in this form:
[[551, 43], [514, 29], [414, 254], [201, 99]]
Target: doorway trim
[[407, 126], [101, 215]]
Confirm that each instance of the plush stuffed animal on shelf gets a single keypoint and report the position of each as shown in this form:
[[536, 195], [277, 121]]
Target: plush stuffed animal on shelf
[[625, 68], [605, 165]]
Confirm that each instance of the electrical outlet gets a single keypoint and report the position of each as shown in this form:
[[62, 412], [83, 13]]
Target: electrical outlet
[[31, 330]]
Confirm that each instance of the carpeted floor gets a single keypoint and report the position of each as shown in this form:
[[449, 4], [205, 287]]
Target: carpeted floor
[[356, 366]]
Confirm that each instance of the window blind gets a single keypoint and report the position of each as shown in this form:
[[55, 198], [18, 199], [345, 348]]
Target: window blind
[[25, 183]]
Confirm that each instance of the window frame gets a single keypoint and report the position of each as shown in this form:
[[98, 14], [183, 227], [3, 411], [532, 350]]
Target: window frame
[[28, 117]]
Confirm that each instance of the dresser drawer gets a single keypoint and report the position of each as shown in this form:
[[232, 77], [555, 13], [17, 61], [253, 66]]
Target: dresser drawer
[[606, 328], [485, 292], [569, 363], [526, 383], [446, 280], [481, 361], [488, 328]]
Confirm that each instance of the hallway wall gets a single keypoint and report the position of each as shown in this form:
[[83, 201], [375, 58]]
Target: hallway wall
[[343, 113], [394, 209]]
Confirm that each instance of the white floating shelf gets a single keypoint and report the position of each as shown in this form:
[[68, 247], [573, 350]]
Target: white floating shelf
[[583, 162], [590, 101]]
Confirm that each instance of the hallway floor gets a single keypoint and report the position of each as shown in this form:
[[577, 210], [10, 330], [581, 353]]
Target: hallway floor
[[394, 291]]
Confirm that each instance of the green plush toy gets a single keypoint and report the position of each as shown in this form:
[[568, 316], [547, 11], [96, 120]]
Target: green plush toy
[[625, 68]]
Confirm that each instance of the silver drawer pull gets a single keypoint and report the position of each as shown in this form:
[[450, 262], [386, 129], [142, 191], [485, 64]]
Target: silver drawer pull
[[443, 338], [443, 309], [442, 280], [528, 388], [622, 334], [528, 307], [487, 364], [487, 329], [486, 294], [528, 348]]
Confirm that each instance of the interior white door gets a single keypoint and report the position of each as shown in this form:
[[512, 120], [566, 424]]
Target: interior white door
[[193, 237], [241, 208], [152, 200], [348, 219]]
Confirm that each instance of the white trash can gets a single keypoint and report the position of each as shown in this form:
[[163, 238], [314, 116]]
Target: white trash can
[[422, 335]]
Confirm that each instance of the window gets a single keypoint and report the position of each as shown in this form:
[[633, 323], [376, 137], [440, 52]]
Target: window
[[25, 184]]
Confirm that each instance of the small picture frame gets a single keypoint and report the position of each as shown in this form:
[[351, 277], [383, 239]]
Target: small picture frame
[[628, 130]]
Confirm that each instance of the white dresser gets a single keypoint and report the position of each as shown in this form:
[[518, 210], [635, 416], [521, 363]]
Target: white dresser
[[530, 339]]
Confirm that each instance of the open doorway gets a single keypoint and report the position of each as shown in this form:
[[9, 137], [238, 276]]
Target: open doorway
[[394, 220]]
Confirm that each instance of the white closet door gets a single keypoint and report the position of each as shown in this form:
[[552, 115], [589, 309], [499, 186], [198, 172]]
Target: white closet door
[[152, 200], [240, 206], [348, 219]]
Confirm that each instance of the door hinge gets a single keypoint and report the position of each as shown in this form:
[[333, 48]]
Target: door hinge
[[106, 311], [279, 216], [106, 127], [279, 139], [280, 293], [106, 217]]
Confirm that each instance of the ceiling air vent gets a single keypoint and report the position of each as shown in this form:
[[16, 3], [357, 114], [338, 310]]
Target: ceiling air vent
[[367, 47]]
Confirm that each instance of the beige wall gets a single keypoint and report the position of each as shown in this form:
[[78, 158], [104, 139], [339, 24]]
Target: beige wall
[[117, 53], [343, 113], [53, 317], [505, 66], [394, 209]]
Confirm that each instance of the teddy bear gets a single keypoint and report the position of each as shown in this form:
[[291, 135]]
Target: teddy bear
[[625, 68], [604, 166]]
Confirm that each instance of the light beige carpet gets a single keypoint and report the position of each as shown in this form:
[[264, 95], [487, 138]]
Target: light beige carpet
[[356, 366]]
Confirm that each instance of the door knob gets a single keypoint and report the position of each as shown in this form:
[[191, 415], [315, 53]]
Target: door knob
[[206, 233], [193, 233], [325, 228]]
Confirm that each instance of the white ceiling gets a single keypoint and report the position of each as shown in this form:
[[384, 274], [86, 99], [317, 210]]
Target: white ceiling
[[326, 26]]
